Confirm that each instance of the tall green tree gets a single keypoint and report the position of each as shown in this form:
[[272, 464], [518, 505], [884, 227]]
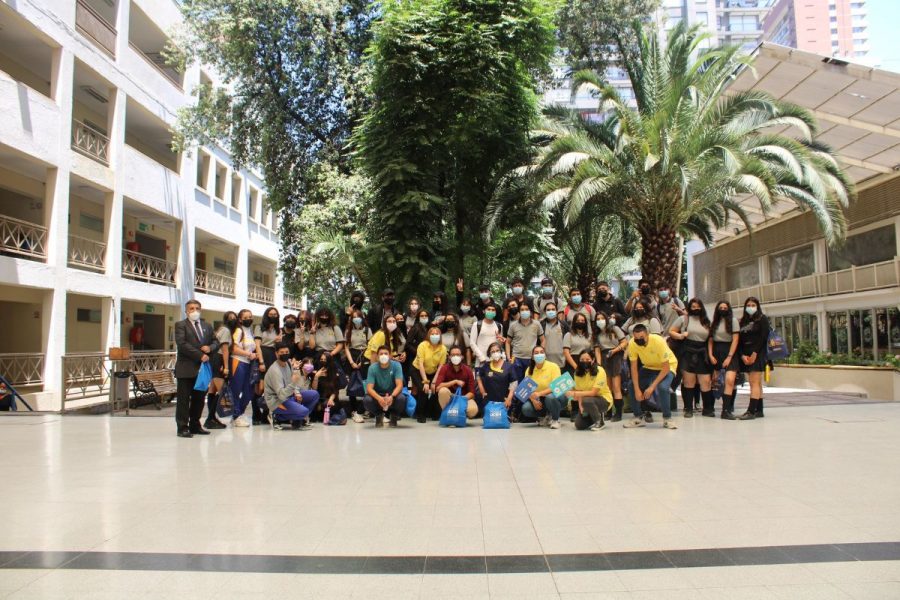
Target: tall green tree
[[592, 31], [675, 166], [453, 100]]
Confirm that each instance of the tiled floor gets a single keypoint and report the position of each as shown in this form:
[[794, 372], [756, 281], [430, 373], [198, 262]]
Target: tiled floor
[[351, 511]]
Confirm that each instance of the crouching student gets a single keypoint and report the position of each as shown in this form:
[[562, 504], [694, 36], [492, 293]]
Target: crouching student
[[542, 404], [285, 395], [384, 389], [454, 377], [496, 380], [591, 394], [657, 369]]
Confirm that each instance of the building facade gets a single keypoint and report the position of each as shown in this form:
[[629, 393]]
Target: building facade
[[105, 231], [836, 28]]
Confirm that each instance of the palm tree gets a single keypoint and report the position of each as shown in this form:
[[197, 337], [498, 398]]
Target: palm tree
[[675, 167]]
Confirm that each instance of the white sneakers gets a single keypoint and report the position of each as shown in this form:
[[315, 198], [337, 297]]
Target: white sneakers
[[544, 421], [241, 421], [668, 424], [357, 418], [597, 426], [554, 424]]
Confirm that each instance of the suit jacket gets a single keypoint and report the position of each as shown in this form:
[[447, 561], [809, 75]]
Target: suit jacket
[[187, 361]]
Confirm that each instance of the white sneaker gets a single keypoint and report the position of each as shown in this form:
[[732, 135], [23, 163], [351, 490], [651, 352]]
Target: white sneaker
[[554, 424], [634, 423], [241, 421], [597, 426], [668, 424], [544, 421], [357, 418]]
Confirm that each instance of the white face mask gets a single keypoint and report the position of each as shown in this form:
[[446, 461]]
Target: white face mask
[[413, 308], [384, 359], [391, 327], [601, 324], [496, 356], [456, 359], [423, 320], [194, 315], [435, 339]]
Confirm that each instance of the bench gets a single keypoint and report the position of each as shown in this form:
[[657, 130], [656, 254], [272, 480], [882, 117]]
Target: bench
[[153, 387]]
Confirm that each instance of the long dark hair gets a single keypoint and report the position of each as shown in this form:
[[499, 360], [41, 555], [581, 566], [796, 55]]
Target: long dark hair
[[580, 370], [419, 302], [608, 330], [350, 326], [330, 369], [728, 316], [325, 312], [745, 318], [704, 318], [392, 340], [531, 363], [269, 322], [418, 331], [225, 324], [576, 320], [645, 304], [445, 307], [459, 339]]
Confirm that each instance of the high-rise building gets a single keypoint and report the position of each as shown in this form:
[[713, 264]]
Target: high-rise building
[[105, 230], [836, 28]]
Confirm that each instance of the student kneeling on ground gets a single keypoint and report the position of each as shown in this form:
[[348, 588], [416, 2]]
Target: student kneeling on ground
[[658, 367], [455, 376], [384, 388], [286, 399], [591, 393]]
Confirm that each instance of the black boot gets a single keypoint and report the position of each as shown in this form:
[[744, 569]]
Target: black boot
[[728, 406], [751, 411], [759, 409], [687, 397], [618, 404], [709, 404]]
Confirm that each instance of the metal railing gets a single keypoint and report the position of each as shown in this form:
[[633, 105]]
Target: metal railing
[[92, 24], [164, 71], [90, 142], [22, 238], [261, 294], [847, 281], [292, 302], [87, 374], [214, 283], [88, 254], [22, 368], [147, 268]]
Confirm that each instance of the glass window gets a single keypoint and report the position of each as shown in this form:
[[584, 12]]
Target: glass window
[[837, 332], [861, 333], [741, 276], [798, 262], [873, 246]]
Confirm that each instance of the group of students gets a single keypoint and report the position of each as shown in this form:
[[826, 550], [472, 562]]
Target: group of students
[[295, 368]]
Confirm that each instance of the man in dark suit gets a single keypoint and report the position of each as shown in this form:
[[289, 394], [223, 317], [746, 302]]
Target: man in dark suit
[[195, 343]]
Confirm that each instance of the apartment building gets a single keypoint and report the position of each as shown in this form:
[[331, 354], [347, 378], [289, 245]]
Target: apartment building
[[837, 28], [105, 231]]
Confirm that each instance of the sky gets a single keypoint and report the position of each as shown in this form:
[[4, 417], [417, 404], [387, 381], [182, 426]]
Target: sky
[[884, 18]]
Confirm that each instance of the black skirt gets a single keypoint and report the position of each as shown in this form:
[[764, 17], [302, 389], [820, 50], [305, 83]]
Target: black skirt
[[720, 351], [612, 364], [216, 363], [757, 366], [693, 358]]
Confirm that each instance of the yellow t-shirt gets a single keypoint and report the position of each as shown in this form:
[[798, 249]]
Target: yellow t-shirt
[[586, 383], [375, 342], [430, 357], [654, 354], [544, 375]]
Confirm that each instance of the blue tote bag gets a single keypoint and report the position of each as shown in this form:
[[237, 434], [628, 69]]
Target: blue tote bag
[[454, 414], [495, 416], [204, 376]]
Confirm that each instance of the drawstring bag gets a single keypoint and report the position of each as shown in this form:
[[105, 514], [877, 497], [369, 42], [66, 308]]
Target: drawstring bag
[[495, 416], [356, 388], [204, 376], [225, 405], [454, 414], [338, 418], [410, 403]]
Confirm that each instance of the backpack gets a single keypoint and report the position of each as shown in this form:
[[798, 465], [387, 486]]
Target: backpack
[[591, 316]]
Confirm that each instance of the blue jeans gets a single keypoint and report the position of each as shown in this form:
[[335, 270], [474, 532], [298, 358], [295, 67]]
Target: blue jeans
[[241, 395], [297, 411], [663, 393], [552, 405], [518, 366]]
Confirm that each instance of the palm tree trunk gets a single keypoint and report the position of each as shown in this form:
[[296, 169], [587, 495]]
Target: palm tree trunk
[[659, 257]]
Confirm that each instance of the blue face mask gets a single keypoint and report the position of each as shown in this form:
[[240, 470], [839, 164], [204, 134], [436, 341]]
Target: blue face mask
[[664, 294], [484, 295], [525, 314], [539, 358], [548, 290], [750, 310], [357, 321], [551, 314], [517, 290], [576, 299], [434, 338]]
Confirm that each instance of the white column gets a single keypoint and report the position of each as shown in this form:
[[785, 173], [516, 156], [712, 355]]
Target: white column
[[241, 274]]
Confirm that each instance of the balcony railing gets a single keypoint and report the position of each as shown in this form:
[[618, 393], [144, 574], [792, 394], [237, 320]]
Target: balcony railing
[[214, 283], [22, 368], [163, 70], [87, 254], [261, 294], [22, 238], [848, 281], [90, 142], [86, 374], [147, 268], [292, 302], [93, 26]]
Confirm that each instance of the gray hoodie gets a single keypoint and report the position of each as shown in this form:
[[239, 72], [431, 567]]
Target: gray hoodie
[[278, 384]]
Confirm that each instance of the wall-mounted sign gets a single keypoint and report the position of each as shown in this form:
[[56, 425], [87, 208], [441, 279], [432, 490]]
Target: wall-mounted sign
[[149, 308]]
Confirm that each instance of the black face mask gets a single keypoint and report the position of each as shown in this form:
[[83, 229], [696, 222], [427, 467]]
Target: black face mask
[[284, 357], [603, 293], [290, 324], [389, 301], [640, 312], [645, 289], [436, 306], [641, 342], [513, 311], [247, 322], [723, 312], [580, 326], [231, 322], [695, 312], [273, 319], [323, 320]]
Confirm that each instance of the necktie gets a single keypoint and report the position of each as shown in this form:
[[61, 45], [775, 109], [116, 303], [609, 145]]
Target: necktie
[[199, 332]]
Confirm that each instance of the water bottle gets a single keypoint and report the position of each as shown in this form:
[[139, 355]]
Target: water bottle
[[326, 419]]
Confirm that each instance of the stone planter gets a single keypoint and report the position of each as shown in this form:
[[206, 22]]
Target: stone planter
[[876, 383]]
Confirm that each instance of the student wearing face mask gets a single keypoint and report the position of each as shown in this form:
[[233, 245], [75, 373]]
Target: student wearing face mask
[[610, 343], [655, 373], [388, 336], [577, 306], [753, 345], [302, 335], [466, 320], [268, 332], [484, 333], [497, 382], [195, 343], [517, 295], [243, 351], [326, 336], [415, 335], [431, 353], [723, 345], [386, 307], [289, 336], [542, 405], [555, 331], [485, 299], [547, 296], [521, 338], [384, 387], [591, 397], [327, 385], [452, 334], [357, 299], [642, 314], [220, 362], [439, 307], [645, 293], [356, 340], [412, 314], [575, 342], [605, 302], [288, 397], [693, 331], [454, 376]]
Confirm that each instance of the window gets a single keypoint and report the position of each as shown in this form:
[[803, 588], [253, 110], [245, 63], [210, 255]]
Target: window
[[221, 171], [743, 23], [876, 245], [253, 204], [797, 329], [202, 170], [832, 19], [703, 18], [742, 276], [86, 315], [225, 266], [837, 332], [798, 262], [834, 31], [859, 29], [236, 190], [90, 222]]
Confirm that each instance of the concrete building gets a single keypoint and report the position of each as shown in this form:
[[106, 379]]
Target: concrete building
[[837, 28], [105, 231], [847, 299]]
